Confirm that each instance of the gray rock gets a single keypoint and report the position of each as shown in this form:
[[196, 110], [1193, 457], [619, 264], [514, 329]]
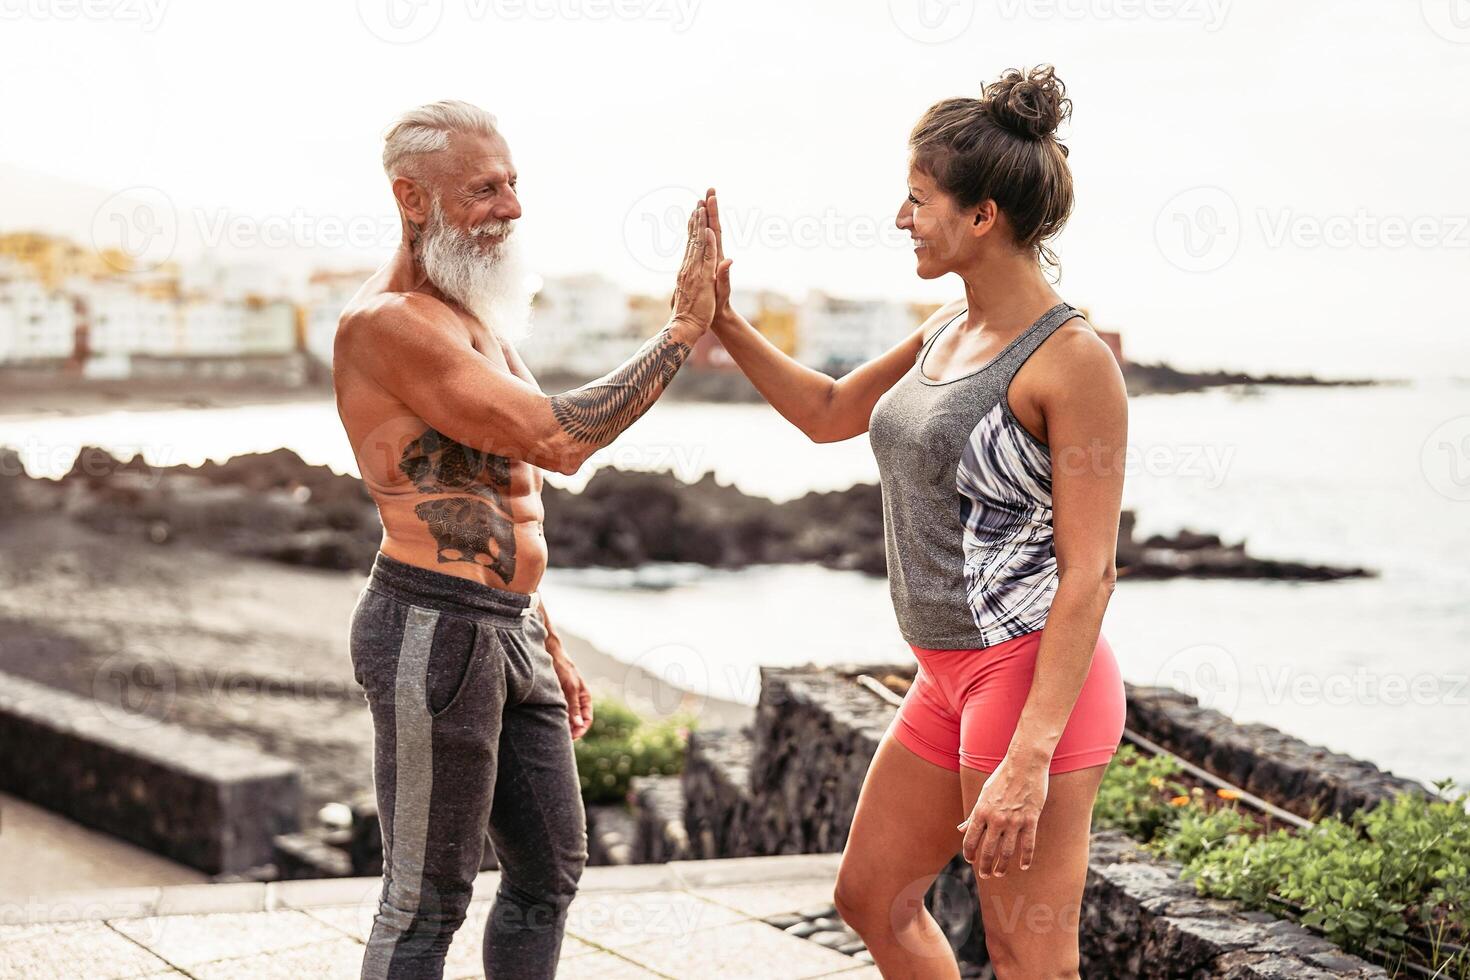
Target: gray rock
[[820, 912], [830, 939]]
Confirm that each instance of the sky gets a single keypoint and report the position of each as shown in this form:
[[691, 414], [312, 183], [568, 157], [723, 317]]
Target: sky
[[1260, 185]]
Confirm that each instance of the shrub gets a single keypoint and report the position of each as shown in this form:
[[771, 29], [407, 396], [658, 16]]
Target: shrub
[[620, 745], [1393, 880], [1136, 793]]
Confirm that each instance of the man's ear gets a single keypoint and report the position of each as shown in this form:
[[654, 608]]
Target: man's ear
[[412, 199]]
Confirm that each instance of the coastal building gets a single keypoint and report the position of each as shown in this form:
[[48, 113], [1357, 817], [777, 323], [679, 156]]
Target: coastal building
[[327, 294], [38, 324], [772, 313], [582, 325], [54, 260], [838, 334], [120, 320], [647, 314], [233, 281]]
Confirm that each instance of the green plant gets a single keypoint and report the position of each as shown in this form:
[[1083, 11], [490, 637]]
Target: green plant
[[1393, 880], [620, 745], [1198, 830], [1388, 877], [1137, 794]]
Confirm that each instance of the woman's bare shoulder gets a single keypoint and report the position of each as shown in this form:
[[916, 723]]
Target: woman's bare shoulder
[[941, 316]]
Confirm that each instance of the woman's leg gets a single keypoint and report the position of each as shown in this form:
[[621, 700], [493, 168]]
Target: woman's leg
[[903, 834], [1031, 917]]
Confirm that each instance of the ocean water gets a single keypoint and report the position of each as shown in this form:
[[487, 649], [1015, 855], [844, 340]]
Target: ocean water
[[1378, 477]]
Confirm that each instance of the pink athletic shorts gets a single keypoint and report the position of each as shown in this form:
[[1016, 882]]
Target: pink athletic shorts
[[964, 706]]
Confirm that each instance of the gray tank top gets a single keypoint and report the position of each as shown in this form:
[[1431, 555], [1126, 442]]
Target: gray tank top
[[967, 519]]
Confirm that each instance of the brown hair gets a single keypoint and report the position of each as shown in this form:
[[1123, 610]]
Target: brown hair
[[1003, 147]]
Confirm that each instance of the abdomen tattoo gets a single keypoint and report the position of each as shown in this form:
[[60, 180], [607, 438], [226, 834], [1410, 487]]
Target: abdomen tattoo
[[597, 412], [474, 525]]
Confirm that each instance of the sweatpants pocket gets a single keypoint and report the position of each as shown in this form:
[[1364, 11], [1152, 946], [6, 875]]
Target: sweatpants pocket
[[453, 657]]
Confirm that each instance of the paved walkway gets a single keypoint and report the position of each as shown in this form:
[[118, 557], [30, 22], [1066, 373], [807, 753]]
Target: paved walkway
[[693, 919], [42, 852]]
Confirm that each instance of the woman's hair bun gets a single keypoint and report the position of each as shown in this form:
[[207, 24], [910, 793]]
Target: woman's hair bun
[[1028, 103]]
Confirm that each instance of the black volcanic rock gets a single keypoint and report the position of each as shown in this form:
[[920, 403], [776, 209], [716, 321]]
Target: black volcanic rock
[[1162, 379], [276, 506]]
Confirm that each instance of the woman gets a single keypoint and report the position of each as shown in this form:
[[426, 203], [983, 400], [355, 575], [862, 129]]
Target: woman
[[999, 427]]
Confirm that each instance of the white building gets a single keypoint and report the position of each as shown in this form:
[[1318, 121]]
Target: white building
[[327, 295], [235, 281], [211, 327], [122, 320], [36, 324], [836, 334], [581, 325], [269, 327]]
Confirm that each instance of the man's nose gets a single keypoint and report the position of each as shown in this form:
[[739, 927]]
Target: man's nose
[[507, 206]]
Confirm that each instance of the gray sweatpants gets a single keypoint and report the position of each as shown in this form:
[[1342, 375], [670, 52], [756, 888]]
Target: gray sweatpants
[[471, 737]]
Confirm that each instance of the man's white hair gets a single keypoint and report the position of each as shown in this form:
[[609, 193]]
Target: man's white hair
[[426, 130]]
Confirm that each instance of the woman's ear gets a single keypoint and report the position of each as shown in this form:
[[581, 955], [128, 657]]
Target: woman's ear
[[985, 217]]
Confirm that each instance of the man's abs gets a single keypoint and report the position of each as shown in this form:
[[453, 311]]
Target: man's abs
[[456, 509]]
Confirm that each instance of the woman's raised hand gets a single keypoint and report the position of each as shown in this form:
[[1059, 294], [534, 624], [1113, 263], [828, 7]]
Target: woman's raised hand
[[722, 264]]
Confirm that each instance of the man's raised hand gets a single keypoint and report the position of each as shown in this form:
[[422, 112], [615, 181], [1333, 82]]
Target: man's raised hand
[[694, 293]]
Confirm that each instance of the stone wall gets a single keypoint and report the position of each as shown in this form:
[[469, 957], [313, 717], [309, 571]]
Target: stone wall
[[1306, 779], [660, 833], [791, 786], [212, 805], [1141, 920], [815, 733], [720, 817]]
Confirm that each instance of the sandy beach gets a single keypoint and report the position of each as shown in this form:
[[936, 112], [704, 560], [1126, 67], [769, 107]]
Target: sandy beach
[[59, 396], [244, 650]]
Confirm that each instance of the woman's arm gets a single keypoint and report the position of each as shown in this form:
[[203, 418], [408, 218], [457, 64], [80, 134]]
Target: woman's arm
[[1086, 411], [826, 409], [1084, 404]]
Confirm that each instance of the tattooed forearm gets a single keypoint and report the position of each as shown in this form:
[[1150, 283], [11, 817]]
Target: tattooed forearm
[[476, 528], [597, 412]]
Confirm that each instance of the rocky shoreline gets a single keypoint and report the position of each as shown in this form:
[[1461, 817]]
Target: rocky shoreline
[[31, 391], [1141, 379], [1162, 379], [275, 506]]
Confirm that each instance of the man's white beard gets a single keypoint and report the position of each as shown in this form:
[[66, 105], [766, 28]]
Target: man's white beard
[[489, 282]]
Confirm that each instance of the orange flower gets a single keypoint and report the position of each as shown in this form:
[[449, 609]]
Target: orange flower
[[1227, 794], [1179, 801]]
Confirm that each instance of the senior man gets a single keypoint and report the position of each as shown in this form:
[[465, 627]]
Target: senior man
[[474, 703]]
